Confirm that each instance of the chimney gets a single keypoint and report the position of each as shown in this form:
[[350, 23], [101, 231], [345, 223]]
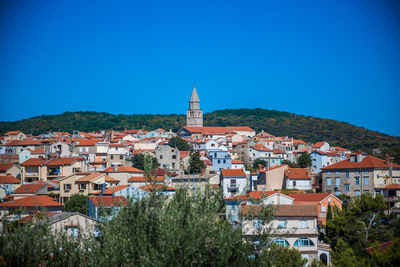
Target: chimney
[[103, 188], [387, 161]]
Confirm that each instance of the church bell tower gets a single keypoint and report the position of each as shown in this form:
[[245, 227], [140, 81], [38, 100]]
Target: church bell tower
[[194, 115]]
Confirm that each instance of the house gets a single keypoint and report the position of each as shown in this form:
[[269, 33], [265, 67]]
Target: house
[[234, 203], [269, 178], [7, 169], [74, 223], [32, 203], [123, 173], [237, 164], [321, 200], [294, 225], [321, 146], [130, 192], [159, 189], [242, 130], [233, 182], [62, 167], [319, 160], [117, 154], [298, 178], [204, 132], [204, 144], [100, 158], [139, 181], [14, 135], [60, 149], [34, 169], [220, 160], [104, 208], [391, 194], [8, 184], [168, 157], [86, 148], [195, 183], [31, 189], [85, 183], [353, 177]]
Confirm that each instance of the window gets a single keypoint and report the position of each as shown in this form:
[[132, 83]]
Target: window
[[215, 155], [257, 224], [323, 208], [294, 183], [303, 242], [224, 161], [329, 172], [112, 157], [357, 193], [347, 175], [357, 180], [82, 186], [337, 181], [282, 224], [80, 149], [67, 187], [281, 242], [366, 171], [76, 169], [357, 172], [347, 187], [219, 161], [337, 193], [366, 182], [173, 156], [303, 224], [121, 156], [160, 156], [328, 181], [87, 149]]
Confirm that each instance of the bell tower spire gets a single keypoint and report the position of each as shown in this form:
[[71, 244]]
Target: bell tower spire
[[194, 115]]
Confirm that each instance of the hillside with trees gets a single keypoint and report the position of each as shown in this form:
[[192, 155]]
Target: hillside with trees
[[278, 123]]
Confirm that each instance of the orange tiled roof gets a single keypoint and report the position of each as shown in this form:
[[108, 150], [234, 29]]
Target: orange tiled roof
[[110, 179], [297, 174], [233, 173], [32, 201], [90, 177], [12, 132], [367, 163], [143, 179], [112, 190], [9, 179], [123, 169], [254, 195], [63, 161], [5, 166], [234, 161], [34, 162], [37, 151], [184, 153], [318, 144], [88, 142], [309, 197], [209, 130], [260, 147], [29, 188], [392, 186], [278, 151], [240, 128], [152, 187]]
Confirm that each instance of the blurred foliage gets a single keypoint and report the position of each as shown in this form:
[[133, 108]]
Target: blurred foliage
[[278, 123]]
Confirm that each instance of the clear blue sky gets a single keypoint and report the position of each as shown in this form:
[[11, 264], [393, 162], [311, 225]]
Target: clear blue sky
[[330, 59]]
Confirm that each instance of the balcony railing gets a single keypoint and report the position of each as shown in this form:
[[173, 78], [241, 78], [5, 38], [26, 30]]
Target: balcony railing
[[31, 174]]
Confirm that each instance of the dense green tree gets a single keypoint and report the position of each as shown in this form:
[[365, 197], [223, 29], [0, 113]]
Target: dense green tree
[[304, 161], [343, 255], [345, 200], [277, 255], [138, 161], [257, 162], [196, 165], [390, 257], [77, 203], [290, 163], [180, 143]]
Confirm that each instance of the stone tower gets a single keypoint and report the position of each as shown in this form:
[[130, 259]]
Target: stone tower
[[194, 115]]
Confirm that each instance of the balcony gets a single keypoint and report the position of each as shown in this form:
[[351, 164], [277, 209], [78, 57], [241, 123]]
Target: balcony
[[232, 188], [31, 174]]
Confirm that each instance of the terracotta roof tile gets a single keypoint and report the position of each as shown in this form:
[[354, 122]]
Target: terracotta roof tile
[[297, 174], [392, 186], [367, 163], [240, 128], [5, 166], [34, 162], [260, 147], [143, 179], [233, 173], [152, 187], [29, 188], [318, 144], [12, 133], [112, 190], [123, 169], [90, 177], [9, 179], [253, 195], [63, 161], [234, 161], [309, 197], [32, 201], [108, 201]]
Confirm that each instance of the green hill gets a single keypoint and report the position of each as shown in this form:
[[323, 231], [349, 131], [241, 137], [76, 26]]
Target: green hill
[[310, 129]]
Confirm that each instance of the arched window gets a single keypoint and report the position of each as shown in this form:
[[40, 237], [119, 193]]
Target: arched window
[[281, 242], [303, 242]]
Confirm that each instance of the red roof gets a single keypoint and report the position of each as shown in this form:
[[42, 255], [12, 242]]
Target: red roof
[[184, 153], [233, 173], [278, 151], [297, 174], [88, 142], [237, 161], [254, 195], [142, 179], [108, 201], [34, 162], [392, 186], [240, 128], [12, 132], [123, 169], [37, 151], [209, 130], [367, 163], [5, 166], [63, 161], [152, 187], [9, 179], [32, 201], [382, 246], [29, 188], [131, 131], [318, 144], [112, 190], [309, 197], [260, 147], [90, 177]]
